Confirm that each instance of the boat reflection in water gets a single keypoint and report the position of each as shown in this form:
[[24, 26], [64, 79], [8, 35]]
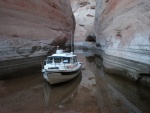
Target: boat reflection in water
[[55, 94]]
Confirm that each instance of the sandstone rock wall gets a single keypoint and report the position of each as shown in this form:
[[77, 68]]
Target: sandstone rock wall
[[122, 28], [31, 29], [84, 12]]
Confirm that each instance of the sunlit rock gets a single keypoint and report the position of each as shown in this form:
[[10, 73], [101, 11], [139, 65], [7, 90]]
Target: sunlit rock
[[122, 29], [84, 12]]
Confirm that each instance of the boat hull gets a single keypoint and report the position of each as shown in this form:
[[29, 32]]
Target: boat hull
[[59, 77]]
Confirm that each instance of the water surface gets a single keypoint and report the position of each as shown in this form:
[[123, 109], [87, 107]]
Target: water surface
[[92, 91]]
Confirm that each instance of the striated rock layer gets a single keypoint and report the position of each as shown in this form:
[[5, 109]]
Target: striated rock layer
[[84, 12], [122, 31], [32, 28]]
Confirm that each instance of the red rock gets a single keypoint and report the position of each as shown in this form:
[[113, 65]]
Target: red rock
[[31, 28], [25, 24]]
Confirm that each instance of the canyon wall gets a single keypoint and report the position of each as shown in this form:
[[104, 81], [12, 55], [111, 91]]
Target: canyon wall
[[84, 12], [122, 29], [33, 28]]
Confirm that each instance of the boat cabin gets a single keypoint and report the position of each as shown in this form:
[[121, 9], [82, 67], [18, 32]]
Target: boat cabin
[[61, 59]]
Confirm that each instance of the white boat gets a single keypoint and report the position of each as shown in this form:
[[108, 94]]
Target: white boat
[[61, 67]]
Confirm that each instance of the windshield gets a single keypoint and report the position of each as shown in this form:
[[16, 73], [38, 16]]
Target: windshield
[[66, 59], [57, 59], [61, 60]]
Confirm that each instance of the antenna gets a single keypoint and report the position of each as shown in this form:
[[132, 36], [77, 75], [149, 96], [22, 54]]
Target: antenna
[[72, 42]]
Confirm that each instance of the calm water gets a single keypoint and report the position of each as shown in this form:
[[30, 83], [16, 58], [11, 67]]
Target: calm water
[[92, 91], [136, 94]]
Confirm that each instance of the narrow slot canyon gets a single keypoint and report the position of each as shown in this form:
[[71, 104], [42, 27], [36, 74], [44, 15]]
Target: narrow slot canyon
[[111, 39]]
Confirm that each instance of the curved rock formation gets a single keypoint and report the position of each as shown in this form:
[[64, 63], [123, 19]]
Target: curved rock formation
[[32, 28], [122, 31], [84, 12]]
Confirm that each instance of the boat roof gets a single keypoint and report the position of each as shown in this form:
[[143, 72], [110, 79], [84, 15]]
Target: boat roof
[[63, 55]]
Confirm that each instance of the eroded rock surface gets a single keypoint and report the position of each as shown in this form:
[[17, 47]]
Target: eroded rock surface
[[122, 29], [84, 12], [32, 28]]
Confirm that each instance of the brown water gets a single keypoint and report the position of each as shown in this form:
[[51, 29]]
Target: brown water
[[119, 92], [92, 91]]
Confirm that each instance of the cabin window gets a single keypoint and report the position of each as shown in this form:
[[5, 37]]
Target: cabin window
[[71, 59], [49, 60], [74, 59], [66, 60], [57, 60]]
